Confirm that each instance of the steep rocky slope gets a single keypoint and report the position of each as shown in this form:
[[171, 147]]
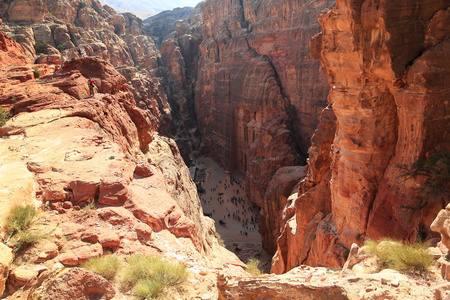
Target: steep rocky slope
[[387, 64], [66, 30], [165, 23], [235, 79], [110, 156]]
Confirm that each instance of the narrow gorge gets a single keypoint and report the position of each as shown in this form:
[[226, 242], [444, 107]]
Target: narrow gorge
[[285, 130]]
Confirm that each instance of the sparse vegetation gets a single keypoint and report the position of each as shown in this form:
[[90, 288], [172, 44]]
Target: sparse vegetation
[[289, 171], [401, 256], [259, 159], [111, 157], [83, 4], [436, 169], [19, 230], [219, 239], [73, 39], [40, 47], [61, 47], [4, 116], [253, 267], [89, 206], [106, 266], [158, 160], [150, 276], [20, 218], [37, 72], [87, 210]]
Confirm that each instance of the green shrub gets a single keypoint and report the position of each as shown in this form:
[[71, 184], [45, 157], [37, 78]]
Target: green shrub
[[253, 267], [18, 227], [40, 47], [151, 275], [106, 266], [83, 4], [146, 287], [73, 39], [4, 116], [401, 256], [436, 169], [20, 218], [27, 238], [61, 47], [37, 72]]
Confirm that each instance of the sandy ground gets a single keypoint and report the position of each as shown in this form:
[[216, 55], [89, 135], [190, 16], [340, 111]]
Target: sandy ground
[[225, 199]]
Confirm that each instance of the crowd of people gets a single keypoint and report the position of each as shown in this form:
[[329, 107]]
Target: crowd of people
[[229, 195]]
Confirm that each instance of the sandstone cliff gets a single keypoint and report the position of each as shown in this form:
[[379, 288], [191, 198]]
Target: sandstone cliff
[[258, 94], [108, 155], [387, 64], [179, 57], [123, 131], [258, 98], [162, 25], [65, 30]]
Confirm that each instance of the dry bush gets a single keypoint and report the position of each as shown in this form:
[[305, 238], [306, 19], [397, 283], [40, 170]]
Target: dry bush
[[401, 256], [253, 267], [20, 218], [150, 276], [106, 266]]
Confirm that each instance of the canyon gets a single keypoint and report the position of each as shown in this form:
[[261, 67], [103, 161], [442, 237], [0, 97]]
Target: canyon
[[320, 106]]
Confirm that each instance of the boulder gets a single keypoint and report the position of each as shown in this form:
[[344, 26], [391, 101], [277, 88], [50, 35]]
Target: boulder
[[6, 258], [442, 225], [73, 283]]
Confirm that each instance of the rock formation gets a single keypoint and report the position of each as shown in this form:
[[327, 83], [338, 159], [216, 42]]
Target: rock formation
[[441, 225], [256, 77], [179, 57], [123, 130], [162, 25], [305, 282], [11, 52], [387, 72], [109, 154], [235, 81]]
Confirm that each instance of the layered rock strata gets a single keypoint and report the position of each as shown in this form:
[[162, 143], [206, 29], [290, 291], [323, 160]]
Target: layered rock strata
[[74, 29], [386, 64], [162, 25], [179, 56], [258, 92], [106, 129], [68, 150], [362, 280]]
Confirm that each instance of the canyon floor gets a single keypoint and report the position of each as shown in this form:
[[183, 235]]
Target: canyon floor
[[224, 199]]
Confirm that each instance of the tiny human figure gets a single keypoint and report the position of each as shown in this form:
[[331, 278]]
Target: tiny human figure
[[91, 86]]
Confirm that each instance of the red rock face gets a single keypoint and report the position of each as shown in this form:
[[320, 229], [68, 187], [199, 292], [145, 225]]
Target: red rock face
[[100, 149], [388, 97], [258, 93], [80, 25], [11, 52]]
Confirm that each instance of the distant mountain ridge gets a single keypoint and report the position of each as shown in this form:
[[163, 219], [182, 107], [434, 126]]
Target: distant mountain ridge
[[148, 6]]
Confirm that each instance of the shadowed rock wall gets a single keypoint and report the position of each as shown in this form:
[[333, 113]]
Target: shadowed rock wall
[[258, 93], [387, 67]]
